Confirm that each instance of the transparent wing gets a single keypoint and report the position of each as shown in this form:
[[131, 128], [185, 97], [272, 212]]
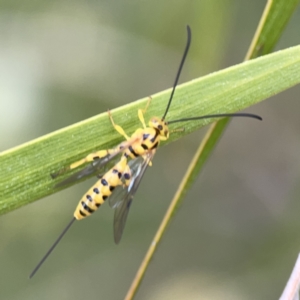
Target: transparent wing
[[120, 192], [122, 207], [99, 166]]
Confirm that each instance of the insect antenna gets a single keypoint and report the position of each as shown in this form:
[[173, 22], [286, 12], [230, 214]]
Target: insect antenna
[[217, 116], [51, 249], [189, 37]]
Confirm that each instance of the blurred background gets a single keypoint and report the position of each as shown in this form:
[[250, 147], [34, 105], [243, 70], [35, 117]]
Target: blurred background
[[236, 236]]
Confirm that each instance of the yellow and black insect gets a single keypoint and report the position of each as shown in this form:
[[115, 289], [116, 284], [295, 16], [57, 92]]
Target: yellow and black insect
[[120, 170]]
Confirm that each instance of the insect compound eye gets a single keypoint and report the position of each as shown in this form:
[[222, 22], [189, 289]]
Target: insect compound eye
[[159, 127]]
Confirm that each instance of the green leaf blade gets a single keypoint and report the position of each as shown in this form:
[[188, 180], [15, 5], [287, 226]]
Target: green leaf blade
[[25, 170]]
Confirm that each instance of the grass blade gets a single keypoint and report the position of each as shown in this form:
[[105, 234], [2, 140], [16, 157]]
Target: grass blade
[[24, 174], [263, 42], [291, 290]]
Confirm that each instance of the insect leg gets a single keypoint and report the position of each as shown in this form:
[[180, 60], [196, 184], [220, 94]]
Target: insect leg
[[141, 112], [118, 127], [89, 158], [182, 129]]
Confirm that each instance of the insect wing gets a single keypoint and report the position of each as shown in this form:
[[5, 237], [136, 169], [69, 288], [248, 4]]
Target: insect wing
[[98, 166], [122, 208], [118, 196]]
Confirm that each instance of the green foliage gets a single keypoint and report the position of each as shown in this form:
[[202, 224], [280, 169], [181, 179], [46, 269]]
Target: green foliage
[[25, 170]]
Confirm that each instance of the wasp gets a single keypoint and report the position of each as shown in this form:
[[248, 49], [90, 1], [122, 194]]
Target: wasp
[[121, 169]]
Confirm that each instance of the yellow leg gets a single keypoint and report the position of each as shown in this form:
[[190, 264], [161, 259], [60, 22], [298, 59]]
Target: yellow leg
[[117, 127], [91, 157], [178, 130], [141, 112]]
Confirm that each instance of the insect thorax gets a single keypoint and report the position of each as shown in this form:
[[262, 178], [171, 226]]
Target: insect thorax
[[143, 140], [160, 126]]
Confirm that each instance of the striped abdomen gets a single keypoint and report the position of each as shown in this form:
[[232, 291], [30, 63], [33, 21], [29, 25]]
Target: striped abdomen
[[99, 192]]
